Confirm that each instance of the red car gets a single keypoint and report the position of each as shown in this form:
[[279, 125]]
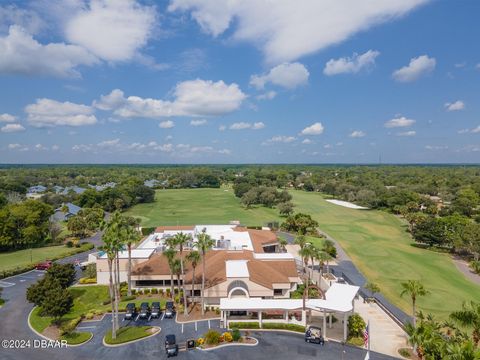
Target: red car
[[44, 265]]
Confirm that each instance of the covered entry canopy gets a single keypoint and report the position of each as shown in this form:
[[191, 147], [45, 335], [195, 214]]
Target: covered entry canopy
[[339, 298]]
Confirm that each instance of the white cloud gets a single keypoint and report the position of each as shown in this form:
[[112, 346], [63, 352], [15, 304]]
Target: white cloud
[[399, 122], [357, 134], [10, 128], [198, 122], [279, 139], [476, 130], [21, 54], [191, 98], [407, 133], [351, 65], [109, 143], [167, 124], [436, 147], [286, 30], [7, 118], [307, 141], [287, 75], [245, 125], [40, 147], [314, 129], [25, 18], [269, 95], [113, 30], [17, 147], [55, 147], [417, 67], [455, 106], [222, 128], [47, 112]]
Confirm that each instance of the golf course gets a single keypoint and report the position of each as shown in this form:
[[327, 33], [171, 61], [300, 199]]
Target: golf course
[[376, 241]]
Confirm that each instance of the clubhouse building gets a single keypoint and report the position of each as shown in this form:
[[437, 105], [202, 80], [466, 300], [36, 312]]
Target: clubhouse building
[[247, 276]]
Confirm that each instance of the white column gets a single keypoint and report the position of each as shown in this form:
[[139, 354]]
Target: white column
[[286, 316], [260, 319], [324, 324], [330, 320], [344, 326], [304, 318]]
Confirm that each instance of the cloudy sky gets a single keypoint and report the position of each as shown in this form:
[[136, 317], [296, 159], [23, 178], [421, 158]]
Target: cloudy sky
[[243, 81]]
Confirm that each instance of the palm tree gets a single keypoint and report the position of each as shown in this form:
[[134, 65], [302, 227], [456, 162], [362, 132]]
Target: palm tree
[[194, 258], [204, 244], [469, 316], [414, 289], [322, 257], [307, 253], [181, 239], [177, 270], [131, 237], [170, 255], [283, 243]]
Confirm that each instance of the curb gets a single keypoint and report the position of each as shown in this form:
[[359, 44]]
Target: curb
[[192, 321], [47, 338], [133, 341], [229, 344]]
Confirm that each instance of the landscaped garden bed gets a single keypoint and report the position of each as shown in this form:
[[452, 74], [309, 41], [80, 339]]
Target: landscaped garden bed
[[213, 339], [266, 325]]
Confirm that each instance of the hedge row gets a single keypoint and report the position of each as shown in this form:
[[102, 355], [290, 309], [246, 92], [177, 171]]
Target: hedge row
[[147, 230], [267, 325], [22, 269]]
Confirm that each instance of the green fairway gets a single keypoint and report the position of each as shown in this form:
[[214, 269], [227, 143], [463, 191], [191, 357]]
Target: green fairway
[[381, 248], [199, 206], [13, 259]]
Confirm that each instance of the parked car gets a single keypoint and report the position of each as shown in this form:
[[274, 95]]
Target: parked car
[[156, 310], [131, 311], [314, 334], [44, 265], [144, 310], [171, 347], [169, 310]]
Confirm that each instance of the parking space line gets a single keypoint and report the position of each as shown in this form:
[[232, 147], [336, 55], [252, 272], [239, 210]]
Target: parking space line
[[6, 284], [209, 323], [86, 327], [196, 326], [163, 315], [182, 328]]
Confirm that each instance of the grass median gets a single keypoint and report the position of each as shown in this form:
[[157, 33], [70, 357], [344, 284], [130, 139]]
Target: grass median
[[128, 333]]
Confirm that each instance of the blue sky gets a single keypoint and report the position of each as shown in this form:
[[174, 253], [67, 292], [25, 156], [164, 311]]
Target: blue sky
[[197, 81]]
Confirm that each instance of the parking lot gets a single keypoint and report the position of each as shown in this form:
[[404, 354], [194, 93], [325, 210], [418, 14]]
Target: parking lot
[[14, 326]]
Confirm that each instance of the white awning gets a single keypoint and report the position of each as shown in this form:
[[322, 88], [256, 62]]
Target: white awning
[[339, 298]]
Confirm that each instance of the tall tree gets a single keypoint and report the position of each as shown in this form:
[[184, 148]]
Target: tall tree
[[204, 244], [170, 255], [414, 289], [469, 317], [181, 239], [193, 258]]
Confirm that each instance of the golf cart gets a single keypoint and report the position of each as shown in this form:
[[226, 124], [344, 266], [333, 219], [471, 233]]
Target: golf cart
[[169, 310], [171, 347], [314, 335], [130, 311], [144, 310], [156, 309]]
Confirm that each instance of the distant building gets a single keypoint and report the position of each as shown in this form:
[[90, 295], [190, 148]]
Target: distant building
[[65, 212], [103, 186], [151, 183], [75, 189], [58, 189], [37, 189]]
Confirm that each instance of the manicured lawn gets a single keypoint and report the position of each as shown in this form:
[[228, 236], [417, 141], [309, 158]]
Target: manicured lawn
[[13, 259], [87, 299], [76, 338], [381, 248], [200, 206], [127, 333]]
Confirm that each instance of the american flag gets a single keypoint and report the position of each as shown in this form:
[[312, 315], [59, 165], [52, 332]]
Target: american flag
[[366, 336]]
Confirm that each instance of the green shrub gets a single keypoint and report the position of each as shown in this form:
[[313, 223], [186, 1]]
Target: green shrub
[[244, 325], [140, 292], [404, 352], [161, 292], [356, 325], [85, 280], [154, 291], [134, 291], [475, 265], [128, 298], [69, 326], [2, 302], [236, 334], [89, 316], [146, 291], [212, 337], [69, 244], [106, 302], [147, 230], [356, 341], [281, 326]]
